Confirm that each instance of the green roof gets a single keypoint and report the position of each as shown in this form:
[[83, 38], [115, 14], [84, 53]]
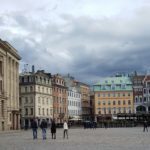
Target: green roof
[[113, 84]]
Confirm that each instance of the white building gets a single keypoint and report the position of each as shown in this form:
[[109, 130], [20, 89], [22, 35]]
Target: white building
[[74, 102], [35, 97]]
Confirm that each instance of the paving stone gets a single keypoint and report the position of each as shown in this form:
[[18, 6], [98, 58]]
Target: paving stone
[[79, 139]]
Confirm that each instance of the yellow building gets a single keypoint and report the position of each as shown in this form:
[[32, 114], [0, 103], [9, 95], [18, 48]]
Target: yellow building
[[113, 95]]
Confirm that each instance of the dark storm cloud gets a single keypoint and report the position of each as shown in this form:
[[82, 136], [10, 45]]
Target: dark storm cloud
[[85, 47]]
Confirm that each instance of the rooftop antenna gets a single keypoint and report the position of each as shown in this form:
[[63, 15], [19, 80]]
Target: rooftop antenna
[[25, 69]]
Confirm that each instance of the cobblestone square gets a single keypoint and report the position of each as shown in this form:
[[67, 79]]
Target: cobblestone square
[[79, 139]]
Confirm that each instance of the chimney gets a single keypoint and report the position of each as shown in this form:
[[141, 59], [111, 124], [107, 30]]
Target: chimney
[[33, 69]]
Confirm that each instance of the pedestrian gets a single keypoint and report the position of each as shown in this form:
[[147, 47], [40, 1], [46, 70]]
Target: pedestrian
[[53, 129], [34, 128], [43, 126], [65, 129], [145, 126]]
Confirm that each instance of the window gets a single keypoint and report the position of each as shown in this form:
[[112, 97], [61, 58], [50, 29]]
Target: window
[[31, 111], [109, 103], [109, 110], [123, 86], [0, 86], [119, 110], [39, 100], [26, 89], [26, 111], [43, 111], [31, 88], [136, 99], [39, 111], [103, 102], [114, 94], [26, 100], [128, 94], [129, 102], [2, 108], [47, 112], [31, 100], [114, 110], [141, 99], [98, 94], [124, 102], [114, 102], [99, 102], [0, 68], [43, 100], [124, 110], [119, 102], [113, 86], [144, 99]]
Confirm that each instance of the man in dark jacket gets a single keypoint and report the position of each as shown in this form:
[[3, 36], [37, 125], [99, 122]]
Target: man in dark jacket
[[145, 126], [53, 129], [43, 126], [34, 128]]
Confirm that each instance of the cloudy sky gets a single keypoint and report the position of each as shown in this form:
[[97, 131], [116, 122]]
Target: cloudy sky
[[87, 38]]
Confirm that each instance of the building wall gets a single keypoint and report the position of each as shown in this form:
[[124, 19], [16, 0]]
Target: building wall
[[74, 103], [36, 97], [113, 95], [60, 96], [112, 102], [9, 82]]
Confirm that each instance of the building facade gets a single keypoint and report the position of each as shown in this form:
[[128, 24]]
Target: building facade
[[36, 99], [74, 103], [60, 96], [9, 87], [139, 105], [113, 95], [84, 89]]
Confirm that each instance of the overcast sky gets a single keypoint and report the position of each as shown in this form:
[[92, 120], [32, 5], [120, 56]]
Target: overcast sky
[[87, 38]]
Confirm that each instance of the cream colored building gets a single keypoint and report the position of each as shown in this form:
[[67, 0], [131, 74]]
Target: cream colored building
[[35, 97], [9, 87]]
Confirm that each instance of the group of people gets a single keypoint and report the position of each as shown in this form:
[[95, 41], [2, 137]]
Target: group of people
[[44, 126]]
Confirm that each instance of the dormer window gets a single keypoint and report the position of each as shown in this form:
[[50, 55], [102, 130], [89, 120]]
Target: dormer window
[[113, 86], [123, 86]]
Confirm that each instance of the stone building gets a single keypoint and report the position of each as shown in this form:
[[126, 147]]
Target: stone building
[[9, 87], [141, 90], [60, 96], [113, 95], [35, 97], [86, 107], [74, 103], [74, 98]]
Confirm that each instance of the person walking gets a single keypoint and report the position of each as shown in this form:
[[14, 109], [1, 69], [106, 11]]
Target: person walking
[[34, 128], [43, 127], [145, 126], [65, 126], [53, 129]]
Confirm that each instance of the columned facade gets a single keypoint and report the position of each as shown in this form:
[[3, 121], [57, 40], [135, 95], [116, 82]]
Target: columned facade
[[9, 87]]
